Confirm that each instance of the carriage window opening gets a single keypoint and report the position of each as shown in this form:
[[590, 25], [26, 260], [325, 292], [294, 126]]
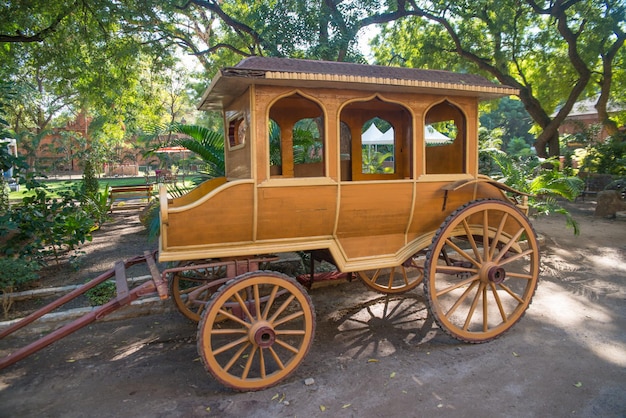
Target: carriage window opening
[[345, 151], [308, 148], [237, 131], [440, 133], [381, 140], [445, 140], [377, 147], [296, 138], [275, 148]]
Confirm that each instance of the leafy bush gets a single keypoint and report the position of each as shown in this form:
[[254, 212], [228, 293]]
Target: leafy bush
[[542, 180], [608, 157], [102, 293], [42, 226], [90, 185], [97, 205], [14, 272]]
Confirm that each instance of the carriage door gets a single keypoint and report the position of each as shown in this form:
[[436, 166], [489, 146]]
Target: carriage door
[[377, 192], [297, 201]]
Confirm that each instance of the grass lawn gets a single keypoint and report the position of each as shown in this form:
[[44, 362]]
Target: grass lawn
[[54, 186]]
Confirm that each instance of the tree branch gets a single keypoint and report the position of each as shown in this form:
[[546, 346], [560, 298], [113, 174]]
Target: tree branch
[[42, 34]]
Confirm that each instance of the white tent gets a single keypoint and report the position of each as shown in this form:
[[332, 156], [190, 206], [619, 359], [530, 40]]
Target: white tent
[[373, 136], [433, 136]]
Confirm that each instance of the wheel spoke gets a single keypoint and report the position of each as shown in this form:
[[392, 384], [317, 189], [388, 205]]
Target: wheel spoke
[[510, 292], [462, 253], [472, 309], [454, 270], [472, 241], [231, 345], [235, 357], [228, 331], [246, 369], [290, 332], [257, 300], [244, 306], [288, 318], [270, 302], [516, 257], [457, 285], [496, 297], [229, 315], [287, 346], [496, 238], [508, 245], [262, 363], [276, 358], [281, 309], [519, 275], [405, 276], [390, 281], [485, 310], [461, 299], [485, 235]]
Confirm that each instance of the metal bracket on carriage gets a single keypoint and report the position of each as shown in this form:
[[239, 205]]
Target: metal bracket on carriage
[[308, 279], [523, 204]]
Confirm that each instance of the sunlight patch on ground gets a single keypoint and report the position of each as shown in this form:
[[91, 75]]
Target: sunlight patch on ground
[[564, 308], [132, 349], [611, 353], [611, 259], [573, 314]]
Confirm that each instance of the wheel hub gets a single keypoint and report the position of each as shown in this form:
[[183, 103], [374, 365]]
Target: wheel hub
[[491, 272], [262, 334]]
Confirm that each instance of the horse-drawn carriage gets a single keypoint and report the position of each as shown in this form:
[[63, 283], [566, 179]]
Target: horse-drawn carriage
[[373, 169], [395, 208]]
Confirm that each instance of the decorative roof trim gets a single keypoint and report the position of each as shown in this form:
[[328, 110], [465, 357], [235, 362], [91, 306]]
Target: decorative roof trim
[[280, 75]]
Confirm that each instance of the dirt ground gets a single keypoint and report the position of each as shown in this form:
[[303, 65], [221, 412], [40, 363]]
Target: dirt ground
[[567, 357]]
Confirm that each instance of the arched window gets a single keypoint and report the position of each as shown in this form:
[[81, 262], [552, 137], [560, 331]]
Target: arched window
[[445, 139], [381, 140], [296, 138]]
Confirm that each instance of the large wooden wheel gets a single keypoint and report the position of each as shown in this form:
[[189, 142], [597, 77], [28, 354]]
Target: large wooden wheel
[[394, 280], [192, 289], [256, 330], [481, 271]]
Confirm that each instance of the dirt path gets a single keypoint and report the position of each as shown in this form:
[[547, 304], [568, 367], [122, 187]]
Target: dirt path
[[372, 356]]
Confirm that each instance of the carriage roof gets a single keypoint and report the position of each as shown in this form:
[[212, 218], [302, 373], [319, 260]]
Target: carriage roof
[[231, 82]]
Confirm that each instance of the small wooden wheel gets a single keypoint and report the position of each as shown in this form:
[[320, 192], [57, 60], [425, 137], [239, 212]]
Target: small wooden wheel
[[394, 280], [192, 289], [267, 331], [481, 271]]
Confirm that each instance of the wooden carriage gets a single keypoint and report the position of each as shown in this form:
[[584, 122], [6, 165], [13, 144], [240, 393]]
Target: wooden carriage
[[374, 169]]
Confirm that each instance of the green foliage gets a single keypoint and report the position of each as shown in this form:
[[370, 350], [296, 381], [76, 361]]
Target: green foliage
[[374, 162], [102, 293], [4, 196], [14, 272], [608, 157], [542, 180], [90, 184], [42, 227], [207, 144], [97, 205]]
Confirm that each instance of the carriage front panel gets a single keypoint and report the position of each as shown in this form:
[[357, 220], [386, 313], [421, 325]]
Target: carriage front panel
[[226, 217], [373, 217], [296, 211]]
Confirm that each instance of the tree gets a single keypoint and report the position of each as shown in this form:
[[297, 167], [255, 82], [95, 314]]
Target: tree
[[553, 52], [98, 57]]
